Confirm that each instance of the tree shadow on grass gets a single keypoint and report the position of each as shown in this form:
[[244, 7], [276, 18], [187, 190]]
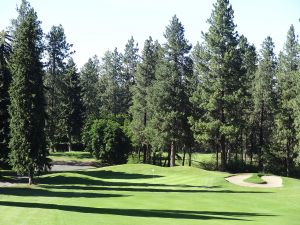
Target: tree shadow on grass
[[92, 184], [108, 174], [37, 192], [205, 189], [171, 214]]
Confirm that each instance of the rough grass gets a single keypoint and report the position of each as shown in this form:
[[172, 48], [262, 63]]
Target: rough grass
[[146, 194]]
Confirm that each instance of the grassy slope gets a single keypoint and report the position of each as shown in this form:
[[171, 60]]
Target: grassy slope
[[129, 194], [256, 179]]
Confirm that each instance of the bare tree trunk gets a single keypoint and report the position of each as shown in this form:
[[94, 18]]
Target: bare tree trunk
[[261, 140], [172, 155], [69, 142], [30, 178], [139, 153], [190, 157], [169, 157], [287, 159], [183, 158], [217, 158], [223, 153], [145, 154]]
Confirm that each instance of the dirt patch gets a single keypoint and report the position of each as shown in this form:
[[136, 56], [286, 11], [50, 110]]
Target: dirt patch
[[271, 181]]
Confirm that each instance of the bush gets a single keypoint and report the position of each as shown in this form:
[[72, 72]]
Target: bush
[[108, 142]]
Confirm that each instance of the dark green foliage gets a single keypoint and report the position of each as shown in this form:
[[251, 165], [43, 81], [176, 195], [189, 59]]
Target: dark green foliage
[[247, 127], [168, 98], [113, 90], [129, 63], [72, 106], [218, 93], [5, 78], [108, 141], [143, 82], [285, 137], [89, 80], [264, 96], [27, 110], [58, 51], [90, 98]]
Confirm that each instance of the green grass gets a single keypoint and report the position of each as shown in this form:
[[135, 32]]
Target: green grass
[[145, 194], [256, 179], [72, 156]]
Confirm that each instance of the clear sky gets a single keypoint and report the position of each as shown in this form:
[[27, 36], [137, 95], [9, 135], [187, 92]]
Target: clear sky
[[94, 26]]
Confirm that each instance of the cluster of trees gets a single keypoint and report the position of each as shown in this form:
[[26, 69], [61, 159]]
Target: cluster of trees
[[221, 96]]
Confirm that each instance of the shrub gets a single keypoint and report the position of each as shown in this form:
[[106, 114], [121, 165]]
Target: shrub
[[108, 142]]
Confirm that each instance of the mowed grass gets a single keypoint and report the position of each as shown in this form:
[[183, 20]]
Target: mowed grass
[[256, 179], [144, 194]]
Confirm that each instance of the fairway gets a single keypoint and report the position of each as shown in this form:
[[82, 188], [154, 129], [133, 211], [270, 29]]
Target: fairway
[[145, 194]]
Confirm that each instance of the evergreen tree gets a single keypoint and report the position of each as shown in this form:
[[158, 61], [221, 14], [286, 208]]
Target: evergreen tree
[[217, 96], [112, 86], [72, 106], [89, 80], [5, 78], [28, 148], [129, 62], [169, 102], [90, 95], [246, 106], [286, 130], [144, 78], [264, 97], [58, 51]]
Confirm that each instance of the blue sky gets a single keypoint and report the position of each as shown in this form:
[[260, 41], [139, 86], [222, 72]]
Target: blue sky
[[94, 26]]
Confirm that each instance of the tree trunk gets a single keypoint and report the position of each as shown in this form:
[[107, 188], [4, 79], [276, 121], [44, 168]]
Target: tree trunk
[[261, 140], [30, 178], [217, 158], [154, 158], [69, 142], [223, 153], [169, 157], [183, 158], [190, 157], [139, 153], [287, 159], [172, 155], [145, 154]]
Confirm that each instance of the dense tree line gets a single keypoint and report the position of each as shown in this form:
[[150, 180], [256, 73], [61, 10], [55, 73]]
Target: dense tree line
[[221, 96]]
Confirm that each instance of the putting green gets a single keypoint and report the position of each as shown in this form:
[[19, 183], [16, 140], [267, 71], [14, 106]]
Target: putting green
[[145, 194]]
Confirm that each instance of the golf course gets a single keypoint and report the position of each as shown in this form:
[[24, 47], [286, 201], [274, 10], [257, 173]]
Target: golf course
[[146, 194]]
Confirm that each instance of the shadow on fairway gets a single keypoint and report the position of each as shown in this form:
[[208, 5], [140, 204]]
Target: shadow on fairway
[[75, 182], [171, 214], [35, 192], [207, 189], [108, 174]]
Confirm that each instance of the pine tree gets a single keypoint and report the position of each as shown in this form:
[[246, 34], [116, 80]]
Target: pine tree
[[72, 106], [286, 129], [27, 110], [5, 78], [89, 80], [169, 102], [218, 91], [130, 60], [143, 81], [58, 51], [264, 97], [112, 86], [246, 105]]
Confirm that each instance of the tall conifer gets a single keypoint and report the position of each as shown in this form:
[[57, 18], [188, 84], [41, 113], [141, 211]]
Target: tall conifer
[[27, 111]]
